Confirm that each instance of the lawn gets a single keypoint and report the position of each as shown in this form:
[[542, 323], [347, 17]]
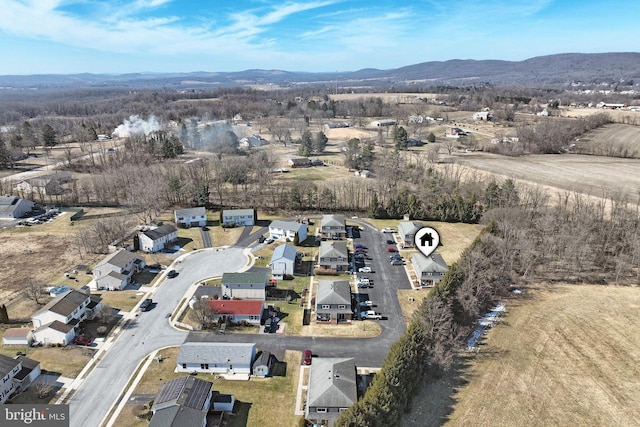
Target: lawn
[[563, 355], [261, 402]]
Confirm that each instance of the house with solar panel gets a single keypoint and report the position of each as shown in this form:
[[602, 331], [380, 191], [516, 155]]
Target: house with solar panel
[[225, 358], [158, 238], [332, 389], [182, 402]]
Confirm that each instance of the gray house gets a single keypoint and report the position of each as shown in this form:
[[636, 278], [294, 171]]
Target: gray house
[[332, 389], [333, 227], [263, 364], [429, 270], [333, 255], [333, 301], [407, 231], [247, 285], [216, 358], [115, 271]]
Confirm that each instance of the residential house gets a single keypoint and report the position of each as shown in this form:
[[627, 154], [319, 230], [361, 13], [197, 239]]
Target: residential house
[[12, 207], [116, 270], [238, 217], [191, 217], [236, 310], [184, 401], [216, 358], [251, 141], [247, 285], [383, 123], [333, 227], [332, 389], [300, 162], [16, 374], [482, 115], [45, 185], [283, 262], [158, 238], [429, 270], [58, 320], [407, 231], [333, 301], [288, 231], [263, 364], [333, 255], [455, 132]]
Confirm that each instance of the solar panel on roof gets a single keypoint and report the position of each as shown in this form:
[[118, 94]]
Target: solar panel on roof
[[171, 390], [197, 394]]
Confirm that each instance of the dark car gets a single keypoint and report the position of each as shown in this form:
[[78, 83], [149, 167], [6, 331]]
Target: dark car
[[360, 246], [82, 340], [146, 304], [307, 358], [171, 274], [390, 242], [390, 249]]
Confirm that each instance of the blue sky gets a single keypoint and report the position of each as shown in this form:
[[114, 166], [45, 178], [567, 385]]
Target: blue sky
[[122, 36]]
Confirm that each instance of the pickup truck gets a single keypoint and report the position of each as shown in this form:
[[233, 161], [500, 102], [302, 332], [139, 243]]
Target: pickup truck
[[370, 314]]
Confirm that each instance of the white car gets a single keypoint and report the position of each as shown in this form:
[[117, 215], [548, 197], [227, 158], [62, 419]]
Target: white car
[[365, 270], [366, 303], [388, 230]]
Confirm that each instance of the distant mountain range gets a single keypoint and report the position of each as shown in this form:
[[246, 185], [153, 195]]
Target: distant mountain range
[[551, 70]]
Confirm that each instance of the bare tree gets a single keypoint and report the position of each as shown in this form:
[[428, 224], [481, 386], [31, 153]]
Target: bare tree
[[44, 385], [203, 313], [108, 314], [34, 290]]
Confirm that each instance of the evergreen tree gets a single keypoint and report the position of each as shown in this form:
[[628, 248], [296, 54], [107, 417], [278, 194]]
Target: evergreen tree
[[48, 136], [320, 143], [400, 138]]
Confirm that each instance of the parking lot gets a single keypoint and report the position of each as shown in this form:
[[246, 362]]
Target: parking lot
[[384, 280]]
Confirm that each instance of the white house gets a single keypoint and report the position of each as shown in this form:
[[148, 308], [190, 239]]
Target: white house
[[17, 336], [216, 358], [115, 271], [237, 310], [12, 207], [158, 238], [16, 374], [288, 230], [56, 322], [247, 285], [45, 185], [192, 217], [239, 217], [283, 261], [181, 402]]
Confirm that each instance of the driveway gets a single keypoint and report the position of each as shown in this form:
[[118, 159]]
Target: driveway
[[146, 332]]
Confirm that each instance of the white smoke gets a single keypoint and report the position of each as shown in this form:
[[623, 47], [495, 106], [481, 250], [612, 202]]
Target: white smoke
[[134, 125]]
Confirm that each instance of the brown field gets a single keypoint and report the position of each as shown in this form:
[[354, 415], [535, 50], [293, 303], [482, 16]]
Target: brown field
[[615, 139], [563, 355], [590, 175]]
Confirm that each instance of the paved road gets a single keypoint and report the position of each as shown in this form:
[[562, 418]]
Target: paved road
[[147, 332]]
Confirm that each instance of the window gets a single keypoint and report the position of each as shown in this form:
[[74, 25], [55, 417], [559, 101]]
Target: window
[[342, 306], [342, 409], [321, 410], [184, 366], [326, 306], [204, 366]]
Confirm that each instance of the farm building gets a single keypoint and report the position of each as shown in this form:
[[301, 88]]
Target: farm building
[[383, 123]]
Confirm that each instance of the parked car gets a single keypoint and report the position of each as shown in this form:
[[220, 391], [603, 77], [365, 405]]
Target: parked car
[[370, 314], [360, 250], [365, 270], [360, 246], [388, 230], [82, 340], [392, 249], [307, 357], [391, 242], [366, 303], [364, 285], [146, 304], [171, 274], [359, 256], [397, 262]]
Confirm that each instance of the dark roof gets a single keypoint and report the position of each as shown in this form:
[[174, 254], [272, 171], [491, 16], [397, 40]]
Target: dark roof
[[7, 364], [263, 358], [28, 365], [332, 383], [65, 304], [187, 391], [177, 416], [160, 232], [57, 325], [120, 258]]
